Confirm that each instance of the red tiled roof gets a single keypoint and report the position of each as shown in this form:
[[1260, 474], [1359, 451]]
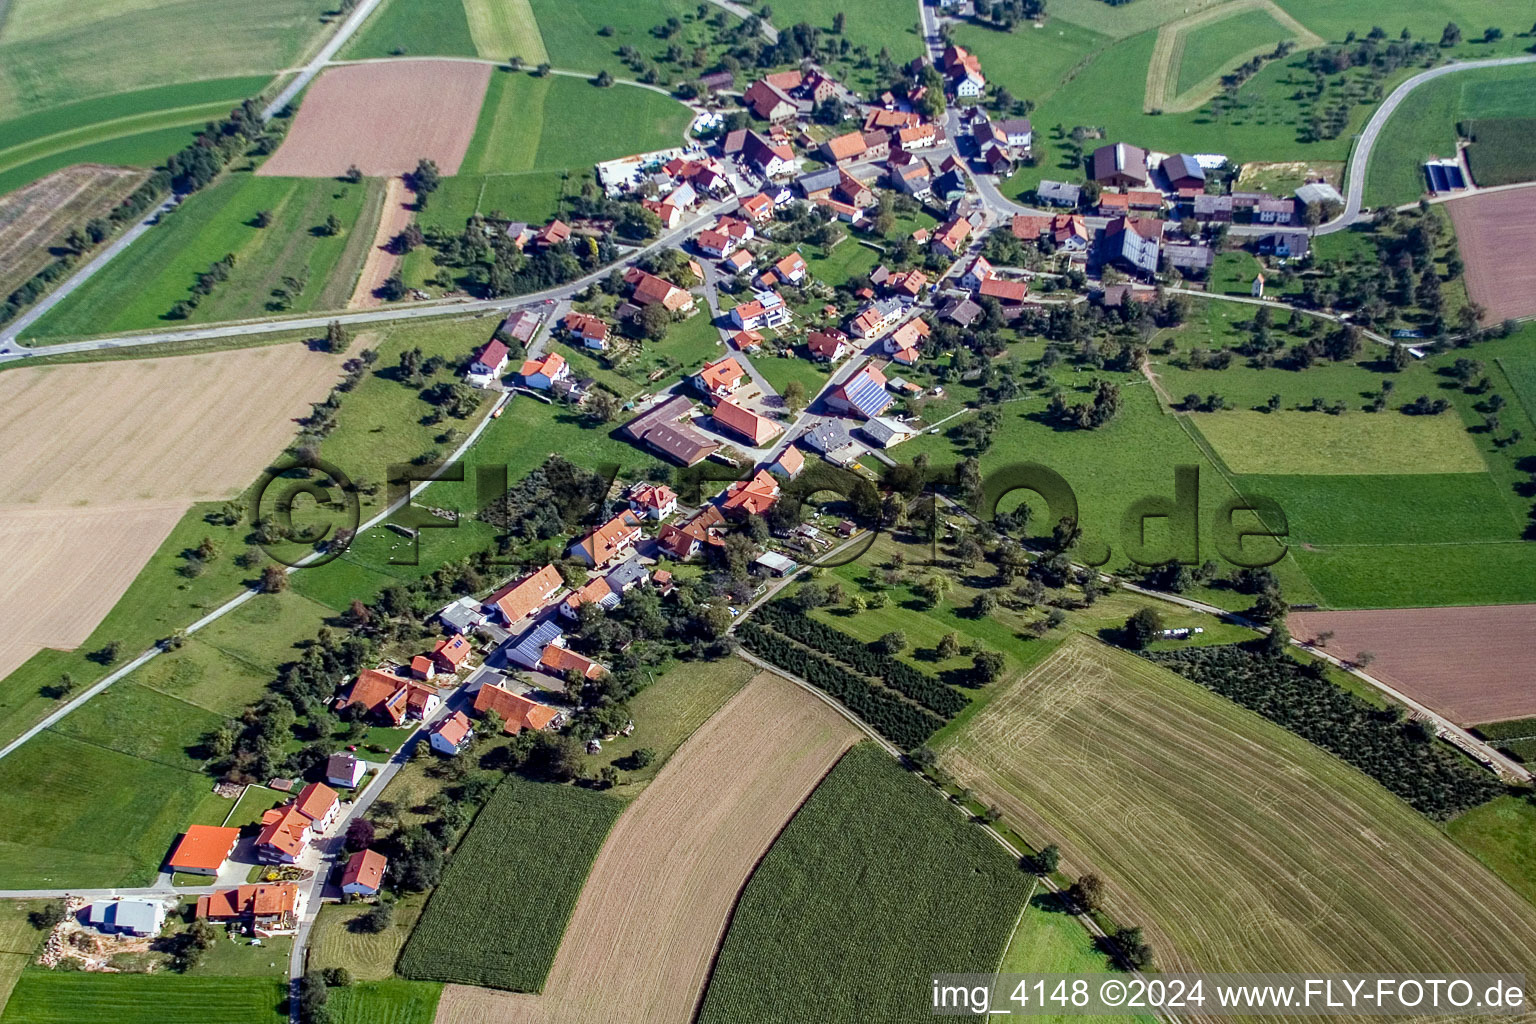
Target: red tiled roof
[[315, 800], [559, 661], [517, 712], [203, 848], [609, 539], [1004, 291], [752, 497], [549, 366], [493, 353], [722, 373], [284, 829], [256, 900], [365, 867], [454, 728], [516, 600], [756, 429]]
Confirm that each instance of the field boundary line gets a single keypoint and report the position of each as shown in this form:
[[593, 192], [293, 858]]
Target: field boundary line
[[75, 138], [1167, 57]]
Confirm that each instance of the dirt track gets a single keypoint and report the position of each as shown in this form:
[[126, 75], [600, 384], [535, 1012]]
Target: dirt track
[[102, 459], [1495, 234], [381, 263], [383, 118], [1469, 664], [655, 907]]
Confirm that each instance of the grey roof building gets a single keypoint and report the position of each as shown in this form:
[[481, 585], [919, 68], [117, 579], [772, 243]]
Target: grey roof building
[[819, 181], [827, 436], [1193, 260], [1318, 192], [1059, 193]]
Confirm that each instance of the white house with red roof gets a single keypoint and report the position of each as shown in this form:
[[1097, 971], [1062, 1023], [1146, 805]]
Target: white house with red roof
[[605, 544], [286, 831], [364, 873], [490, 360], [712, 242], [654, 501], [449, 735], [719, 378], [545, 371]]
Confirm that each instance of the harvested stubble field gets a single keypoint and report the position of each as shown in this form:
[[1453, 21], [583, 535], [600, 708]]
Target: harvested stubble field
[[381, 262], [383, 118], [116, 452], [1467, 663], [37, 217], [1494, 232], [1235, 844], [653, 911]]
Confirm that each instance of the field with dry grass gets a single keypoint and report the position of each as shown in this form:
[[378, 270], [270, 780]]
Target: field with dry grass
[[382, 262], [1467, 663], [37, 217], [102, 459], [383, 118], [1237, 845], [657, 901]]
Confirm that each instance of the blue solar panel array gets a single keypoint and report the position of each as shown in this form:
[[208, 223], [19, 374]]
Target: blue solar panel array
[[534, 641], [1445, 177], [866, 396]]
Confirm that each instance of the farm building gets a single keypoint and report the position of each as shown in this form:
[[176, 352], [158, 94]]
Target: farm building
[[517, 712]]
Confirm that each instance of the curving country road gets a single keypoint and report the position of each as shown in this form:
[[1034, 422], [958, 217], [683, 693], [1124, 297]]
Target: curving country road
[[1359, 160]]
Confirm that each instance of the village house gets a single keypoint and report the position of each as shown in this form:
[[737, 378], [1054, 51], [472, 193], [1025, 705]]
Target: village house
[[1211, 209], [876, 318], [715, 243], [752, 497], [950, 238], [591, 331], [863, 394], [685, 541], [1059, 193], [790, 270], [885, 432], [756, 430], [843, 148], [903, 343], [1069, 232], [789, 462], [450, 735], [1014, 133], [203, 849], [654, 501], [389, 698], [461, 616], [517, 712], [519, 598], [920, 136], [831, 440], [607, 542], [1275, 211], [770, 103], [448, 655], [1120, 165], [344, 770], [963, 71], [818, 184], [854, 192], [829, 345], [520, 326], [543, 372], [772, 160], [718, 379], [909, 283], [1131, 247], [262, 910], [1193, 261], [976, 271], [364, 873], [911, 177], [960, 311], [286, 831], [1009, 293], [738, 261], [758, 208], [490, 360], [764, 309], [138, 918], [1293, 245], [669, 213], [648, 290], [595, 591]]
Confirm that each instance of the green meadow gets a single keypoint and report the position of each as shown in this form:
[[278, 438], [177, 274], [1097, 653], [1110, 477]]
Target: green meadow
[[413, 27], [66, 997], [139, 288], [1210, 49]]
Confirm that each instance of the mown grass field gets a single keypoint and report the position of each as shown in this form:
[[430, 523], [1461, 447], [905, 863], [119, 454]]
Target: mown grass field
[[508, 942], [569, 30], [1424, 126], [1290, 442], [54, 52], [1034, 62], [780, 371], [875, 884], [1048, 940], [1499, 834], [19, 942], [1217, 46], [1521, 374], [370, 957], [529, 123], [413, 28], [147, 149], [667, 712], [139, 288], [66, 997], [393, 1001], [1212, 826], [503, 29]]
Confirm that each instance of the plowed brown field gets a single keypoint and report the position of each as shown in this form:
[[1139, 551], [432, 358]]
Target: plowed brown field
[[1470, 664], [1494, 232], [102, 459], [381, 263], [660, 894], [383, 118]]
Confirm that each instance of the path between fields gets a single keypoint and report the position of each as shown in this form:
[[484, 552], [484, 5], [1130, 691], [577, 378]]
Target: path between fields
[[563, 72]]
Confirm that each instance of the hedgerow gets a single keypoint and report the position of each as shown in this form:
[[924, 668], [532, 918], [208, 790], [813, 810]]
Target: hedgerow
[[1434, 779], [905, 724]]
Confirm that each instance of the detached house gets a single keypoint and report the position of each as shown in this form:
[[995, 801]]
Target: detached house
[[752, 497], [718, 379], [772, 160], [517, 712], [950, 238], [876, 318], [844, 148], [364, 873], [389, 698], [789, 463], [685, 541], [544, 372], [903, 343], [263, 910], [828, 345], [450, 735], [652, 290], [863, 394], [976, 271], [654, 501], [605, 544], [344, 770], [203, 849], [770, 103], [715, 243], [518, 599], [286, 831], [591, 331], [490, 360], [764, 309]]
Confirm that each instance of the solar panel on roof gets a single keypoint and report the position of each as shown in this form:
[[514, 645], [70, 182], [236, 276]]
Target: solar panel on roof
[[867, 396]]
